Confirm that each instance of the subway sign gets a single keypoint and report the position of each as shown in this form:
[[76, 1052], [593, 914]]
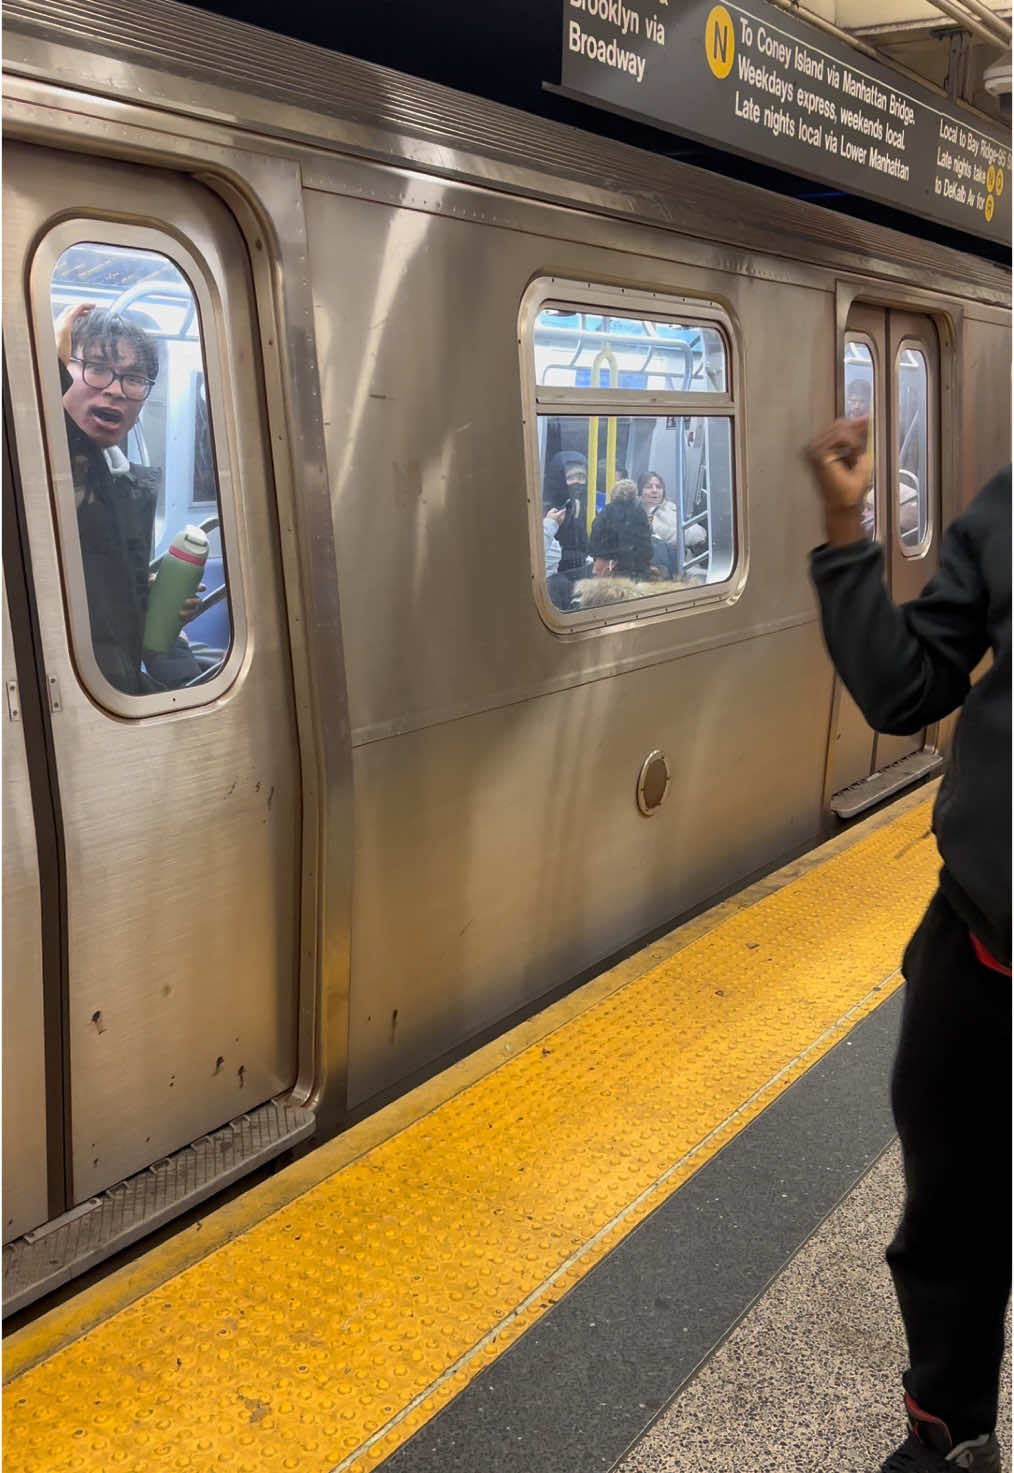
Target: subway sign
[[759, 82]]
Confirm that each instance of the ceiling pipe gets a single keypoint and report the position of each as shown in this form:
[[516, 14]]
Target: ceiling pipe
[[880, 57], [1000, 27], [968, 22]]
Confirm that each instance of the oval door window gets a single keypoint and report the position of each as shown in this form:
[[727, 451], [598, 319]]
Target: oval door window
[[861, 403], [913, 450], [141, 449]]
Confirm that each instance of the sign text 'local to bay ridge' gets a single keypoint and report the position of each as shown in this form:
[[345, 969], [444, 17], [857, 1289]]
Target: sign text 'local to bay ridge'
[[751, 78]]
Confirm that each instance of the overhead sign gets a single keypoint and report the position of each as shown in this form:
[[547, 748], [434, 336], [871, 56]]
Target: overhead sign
[[752, 79]]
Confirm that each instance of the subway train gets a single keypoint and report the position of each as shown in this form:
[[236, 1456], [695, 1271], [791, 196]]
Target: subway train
[[443, 732]]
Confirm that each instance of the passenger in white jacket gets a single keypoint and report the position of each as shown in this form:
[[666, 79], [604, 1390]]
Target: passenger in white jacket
[[664, 518]]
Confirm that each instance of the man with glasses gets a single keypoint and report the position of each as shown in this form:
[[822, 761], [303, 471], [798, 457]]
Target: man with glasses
[[108, 366]]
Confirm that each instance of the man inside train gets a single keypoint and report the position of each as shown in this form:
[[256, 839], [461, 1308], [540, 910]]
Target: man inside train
[[108, 366], [906, 667], [857, 398]]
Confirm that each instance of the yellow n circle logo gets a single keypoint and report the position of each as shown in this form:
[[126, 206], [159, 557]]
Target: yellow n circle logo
[[719, 41]]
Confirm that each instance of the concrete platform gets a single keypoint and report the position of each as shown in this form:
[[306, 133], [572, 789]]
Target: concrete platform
[[515, 1268], [809, 1380]]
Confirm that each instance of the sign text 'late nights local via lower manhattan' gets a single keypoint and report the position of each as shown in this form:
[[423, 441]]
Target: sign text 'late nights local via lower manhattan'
[[759, 82]]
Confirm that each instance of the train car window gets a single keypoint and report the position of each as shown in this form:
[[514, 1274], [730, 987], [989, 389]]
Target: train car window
[[587, 349], [632, 452], [140, 441], [861, 403], [912, 390]]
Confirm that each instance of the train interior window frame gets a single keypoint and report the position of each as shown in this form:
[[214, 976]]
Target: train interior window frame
[[83, 229], [541, 401], [928, 490]]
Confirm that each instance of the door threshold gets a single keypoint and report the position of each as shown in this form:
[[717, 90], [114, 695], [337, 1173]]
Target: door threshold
[[58, 1251], [884, 784]]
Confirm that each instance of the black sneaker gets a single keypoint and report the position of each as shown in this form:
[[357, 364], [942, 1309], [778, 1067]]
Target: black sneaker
[[928, 1448]]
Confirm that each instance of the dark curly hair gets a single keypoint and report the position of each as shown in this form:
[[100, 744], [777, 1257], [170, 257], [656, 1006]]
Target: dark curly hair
[[621, 534], [106, 330]]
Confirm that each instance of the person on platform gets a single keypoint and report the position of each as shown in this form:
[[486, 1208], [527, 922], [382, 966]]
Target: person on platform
[[907, 666]]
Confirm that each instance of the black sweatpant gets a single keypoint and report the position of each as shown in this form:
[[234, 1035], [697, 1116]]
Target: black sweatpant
[[951, 1096]]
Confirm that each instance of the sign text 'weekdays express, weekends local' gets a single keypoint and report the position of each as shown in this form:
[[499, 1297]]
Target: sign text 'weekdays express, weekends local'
[[757, 81]]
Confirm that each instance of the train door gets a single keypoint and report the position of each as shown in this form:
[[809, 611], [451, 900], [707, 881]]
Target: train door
[[25, 1183], [144, 499], [891, 374]]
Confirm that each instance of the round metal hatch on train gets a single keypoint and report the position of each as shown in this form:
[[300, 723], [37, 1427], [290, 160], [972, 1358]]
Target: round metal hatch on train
[[653, 783]]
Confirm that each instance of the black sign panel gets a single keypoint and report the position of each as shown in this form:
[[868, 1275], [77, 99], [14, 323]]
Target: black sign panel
[[758, 82]]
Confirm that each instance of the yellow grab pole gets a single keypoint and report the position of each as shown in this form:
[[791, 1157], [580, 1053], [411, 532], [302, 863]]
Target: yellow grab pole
[[593, 469], [605, 357]]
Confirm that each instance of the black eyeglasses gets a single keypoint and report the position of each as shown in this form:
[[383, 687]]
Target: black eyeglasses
[[101, 375]]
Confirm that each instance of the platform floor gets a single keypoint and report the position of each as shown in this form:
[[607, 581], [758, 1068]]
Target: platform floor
[[520, 1265], [805, 1381]]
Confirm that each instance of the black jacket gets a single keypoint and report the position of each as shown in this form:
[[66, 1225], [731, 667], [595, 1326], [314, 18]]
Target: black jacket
[[907, 666], [115, 519], [572, 536]]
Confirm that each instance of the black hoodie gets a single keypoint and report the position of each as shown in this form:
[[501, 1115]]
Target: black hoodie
[[907, 666], [572, 537]]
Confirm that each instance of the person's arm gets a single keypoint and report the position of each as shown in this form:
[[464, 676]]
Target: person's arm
[[63, 329], [904, 665], [64, 326], [551, 524]]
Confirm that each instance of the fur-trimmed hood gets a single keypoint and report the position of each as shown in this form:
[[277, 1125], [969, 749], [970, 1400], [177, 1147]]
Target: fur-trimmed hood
[[597, 593]]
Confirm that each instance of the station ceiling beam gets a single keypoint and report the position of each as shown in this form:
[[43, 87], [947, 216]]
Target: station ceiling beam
[[990, 23], [917, 40]]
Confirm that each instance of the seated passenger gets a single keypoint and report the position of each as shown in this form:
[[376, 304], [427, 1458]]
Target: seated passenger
[[663, 516], [108, 366], [620, 548], [564, 490], [662, 561], [662, 554]]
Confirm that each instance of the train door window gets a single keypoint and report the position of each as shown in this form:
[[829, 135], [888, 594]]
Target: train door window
[[631, 453], [150, 583], [860, 403], [913, 492], [891, 361]]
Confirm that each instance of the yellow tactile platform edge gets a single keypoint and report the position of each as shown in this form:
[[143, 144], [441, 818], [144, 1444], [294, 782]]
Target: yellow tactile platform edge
[[326, 1334]]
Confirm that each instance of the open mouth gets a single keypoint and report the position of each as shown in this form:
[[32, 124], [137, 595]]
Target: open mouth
[[110, 417]]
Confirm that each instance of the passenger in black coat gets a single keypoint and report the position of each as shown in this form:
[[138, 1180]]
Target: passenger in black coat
[[620, 540], [566, 481], [906, 667], [115, 518]]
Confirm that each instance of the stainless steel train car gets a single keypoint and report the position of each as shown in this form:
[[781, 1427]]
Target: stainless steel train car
[[433, 746]]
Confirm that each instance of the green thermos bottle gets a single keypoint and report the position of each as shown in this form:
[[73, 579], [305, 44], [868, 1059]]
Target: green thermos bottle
[[177, 579]]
